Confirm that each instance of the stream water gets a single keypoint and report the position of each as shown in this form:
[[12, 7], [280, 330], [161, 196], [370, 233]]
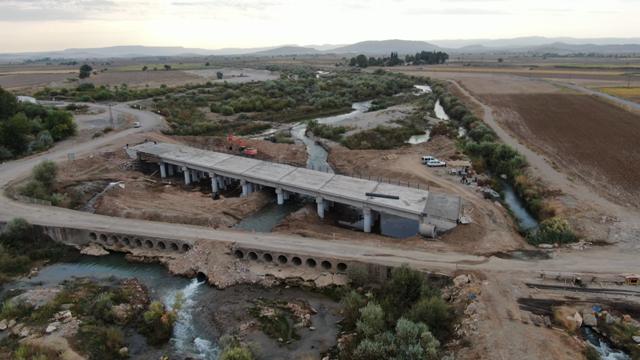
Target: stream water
[[186, 340], [526, 221], [317, 155], [606, 351], [195, 334]]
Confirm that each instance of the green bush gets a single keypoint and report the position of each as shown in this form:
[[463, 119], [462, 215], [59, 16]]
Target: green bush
[[436, 314], [351, 303], [236, 353], [101, 342], [554, 230], [371, 320]]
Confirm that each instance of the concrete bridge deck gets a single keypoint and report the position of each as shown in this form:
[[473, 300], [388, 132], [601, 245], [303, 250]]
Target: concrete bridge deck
[[438, 210]]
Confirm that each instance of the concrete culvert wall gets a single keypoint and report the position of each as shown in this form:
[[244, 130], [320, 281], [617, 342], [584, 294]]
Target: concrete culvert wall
[[138, 242], [126, 241], [267, 257], [201, 277], [253, 255], [112, 240], [148, 244], [174, 246], [93, 236], [342, 267], [311, 263], [282, 259], [186, 247], [296, 261], [103, 237], [326, 265], [161, 245], [239, 254]]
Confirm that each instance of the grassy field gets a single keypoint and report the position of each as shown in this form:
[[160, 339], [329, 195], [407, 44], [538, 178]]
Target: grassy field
[[630, 93]]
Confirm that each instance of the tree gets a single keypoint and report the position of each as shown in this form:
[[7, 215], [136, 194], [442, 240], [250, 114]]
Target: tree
[[402, 290], [46, 173], [13, 133], [436, 314], [167, 67], [8, 104], [362, 61], [85, 71], [219, 75], [145, 68], [207, 64]]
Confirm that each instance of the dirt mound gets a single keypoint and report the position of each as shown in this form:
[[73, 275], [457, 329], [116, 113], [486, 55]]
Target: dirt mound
[[295, 155]]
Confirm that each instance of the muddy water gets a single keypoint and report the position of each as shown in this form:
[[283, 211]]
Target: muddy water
[[265, 219], [194, 335], [526, 221]]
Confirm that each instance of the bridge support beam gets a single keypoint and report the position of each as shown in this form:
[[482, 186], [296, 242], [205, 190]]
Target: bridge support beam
[[214, 183], [245, 188], [163, 170], [320, 202], [187, 175], [280, 194], [367, 220]]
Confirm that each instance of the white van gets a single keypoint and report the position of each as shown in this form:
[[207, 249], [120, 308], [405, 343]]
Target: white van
[[426, 159]]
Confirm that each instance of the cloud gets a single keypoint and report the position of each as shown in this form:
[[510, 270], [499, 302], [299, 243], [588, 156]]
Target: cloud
[[53, 10], [231, 4], [457, 11]]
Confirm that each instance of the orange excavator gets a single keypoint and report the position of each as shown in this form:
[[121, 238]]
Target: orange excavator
[[239, 144]]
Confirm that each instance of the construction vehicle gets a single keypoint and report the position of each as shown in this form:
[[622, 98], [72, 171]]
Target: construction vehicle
[[238, 144]]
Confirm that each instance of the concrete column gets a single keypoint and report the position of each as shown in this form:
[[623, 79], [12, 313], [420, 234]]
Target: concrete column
[[320, 202], [367, 220], [163, 170], [187, 176], [214, 183], [251, 187], [280, 193], [245, 188], [221, 183], [285, 195], [170, 169]]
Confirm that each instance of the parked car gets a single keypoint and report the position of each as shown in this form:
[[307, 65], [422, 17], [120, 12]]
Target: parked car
[[137, 124], [436, 163], [426, 159]]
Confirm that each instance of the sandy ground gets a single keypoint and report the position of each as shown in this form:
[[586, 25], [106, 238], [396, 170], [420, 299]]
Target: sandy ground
[[234, 75], [370, 120]]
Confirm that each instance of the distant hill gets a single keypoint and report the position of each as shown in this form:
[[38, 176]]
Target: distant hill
[[287, 50], [533, 44], [381, 47]]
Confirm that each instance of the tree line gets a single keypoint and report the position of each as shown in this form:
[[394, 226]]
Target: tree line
[[27, 128], [421, 58]]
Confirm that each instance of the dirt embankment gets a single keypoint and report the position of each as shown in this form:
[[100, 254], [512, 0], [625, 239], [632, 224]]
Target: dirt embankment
[[292, 154]]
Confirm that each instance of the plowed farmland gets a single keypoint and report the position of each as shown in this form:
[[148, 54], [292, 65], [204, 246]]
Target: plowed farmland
[[594, 140]]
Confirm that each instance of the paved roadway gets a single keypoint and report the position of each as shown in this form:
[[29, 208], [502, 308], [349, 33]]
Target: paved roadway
[[608, 261]]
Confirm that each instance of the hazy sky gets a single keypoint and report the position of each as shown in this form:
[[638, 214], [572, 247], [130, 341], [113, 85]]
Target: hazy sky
[[31, 25]]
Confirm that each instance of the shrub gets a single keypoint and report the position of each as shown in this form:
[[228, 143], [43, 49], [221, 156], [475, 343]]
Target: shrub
[[236, 353], [101, 342], [371, 320], [401, 291], [45, 173], [351, 303], [551, 231], [436, 314]]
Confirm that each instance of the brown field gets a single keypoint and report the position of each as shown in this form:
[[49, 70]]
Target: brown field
[[594, 140]]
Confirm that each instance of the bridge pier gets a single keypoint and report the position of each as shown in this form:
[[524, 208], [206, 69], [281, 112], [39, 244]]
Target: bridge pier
[[320, 202], [245, 188], [280, 195], [187, 177], [214, 183], [367, 220], [163, 170]]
